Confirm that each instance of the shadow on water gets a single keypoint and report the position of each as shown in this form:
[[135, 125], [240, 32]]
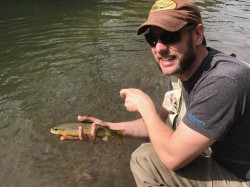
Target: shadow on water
[[59, 59]]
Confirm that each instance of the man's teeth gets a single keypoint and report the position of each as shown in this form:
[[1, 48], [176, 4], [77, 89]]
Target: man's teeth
[[168, 59]]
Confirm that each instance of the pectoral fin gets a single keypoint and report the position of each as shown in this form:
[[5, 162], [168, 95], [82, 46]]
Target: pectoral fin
[[105, 138]]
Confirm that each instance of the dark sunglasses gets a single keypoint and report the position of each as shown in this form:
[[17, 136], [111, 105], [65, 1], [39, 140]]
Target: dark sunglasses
[[167, 38]]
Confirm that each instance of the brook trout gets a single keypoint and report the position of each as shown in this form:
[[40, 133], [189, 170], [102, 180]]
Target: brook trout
[[71, 129]]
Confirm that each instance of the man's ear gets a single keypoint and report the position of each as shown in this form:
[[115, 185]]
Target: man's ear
[[198, 34]]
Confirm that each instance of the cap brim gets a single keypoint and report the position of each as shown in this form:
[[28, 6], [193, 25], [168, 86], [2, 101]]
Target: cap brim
[[163, 21]]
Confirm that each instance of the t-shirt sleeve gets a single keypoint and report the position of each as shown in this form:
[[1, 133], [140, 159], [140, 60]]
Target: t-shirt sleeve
[[216, 105]]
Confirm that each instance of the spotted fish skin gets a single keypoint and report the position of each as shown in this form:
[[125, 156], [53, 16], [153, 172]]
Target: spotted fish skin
[[71, 129]]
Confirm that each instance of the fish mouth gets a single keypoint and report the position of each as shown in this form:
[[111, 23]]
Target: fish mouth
[[54, 131]]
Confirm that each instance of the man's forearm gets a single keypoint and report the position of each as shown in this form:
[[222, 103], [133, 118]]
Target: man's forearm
[[135, 128]]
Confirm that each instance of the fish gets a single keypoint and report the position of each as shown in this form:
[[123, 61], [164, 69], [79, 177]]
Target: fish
[[71, 129]]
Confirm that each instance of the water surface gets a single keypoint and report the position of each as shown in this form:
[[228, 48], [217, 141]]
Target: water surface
[[62, 58]]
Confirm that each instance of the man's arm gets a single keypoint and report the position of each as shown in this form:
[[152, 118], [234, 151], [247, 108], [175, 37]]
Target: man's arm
[[175, 148], [134, 129]]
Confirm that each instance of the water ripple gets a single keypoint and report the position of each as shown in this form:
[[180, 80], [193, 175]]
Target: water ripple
[[62, 58]]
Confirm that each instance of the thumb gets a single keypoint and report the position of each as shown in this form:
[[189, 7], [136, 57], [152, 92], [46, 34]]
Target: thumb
[[81, 118], [123, 93]]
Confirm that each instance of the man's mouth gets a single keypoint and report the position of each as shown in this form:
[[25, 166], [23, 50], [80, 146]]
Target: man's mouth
[[169, 58], [167, 61]]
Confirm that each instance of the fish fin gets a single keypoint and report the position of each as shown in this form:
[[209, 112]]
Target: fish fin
[[105, 138], [118, 137], [120, 132]]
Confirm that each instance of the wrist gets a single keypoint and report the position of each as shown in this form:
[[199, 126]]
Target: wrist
[[149, 114]]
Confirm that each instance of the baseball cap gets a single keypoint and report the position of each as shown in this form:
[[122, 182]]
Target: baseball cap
[[171, 15]]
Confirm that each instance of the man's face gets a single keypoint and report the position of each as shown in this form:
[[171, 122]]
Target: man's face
[[174, 59]]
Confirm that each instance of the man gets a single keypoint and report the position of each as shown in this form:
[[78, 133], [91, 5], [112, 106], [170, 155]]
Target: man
[[216, 91]]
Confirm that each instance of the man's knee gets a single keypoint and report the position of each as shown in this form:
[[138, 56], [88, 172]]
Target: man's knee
[[147, 167], [141, 155]]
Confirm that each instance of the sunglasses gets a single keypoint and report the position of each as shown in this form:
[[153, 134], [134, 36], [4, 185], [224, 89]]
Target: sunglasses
[[167, 38]]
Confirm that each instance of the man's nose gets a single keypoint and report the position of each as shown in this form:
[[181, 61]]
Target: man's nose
[[160, 46]]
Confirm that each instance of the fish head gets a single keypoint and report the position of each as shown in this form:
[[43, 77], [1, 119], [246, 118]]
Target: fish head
[[55, 130], [66, 129]]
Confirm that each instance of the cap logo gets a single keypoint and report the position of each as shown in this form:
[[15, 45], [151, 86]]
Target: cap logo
[[163, 5]]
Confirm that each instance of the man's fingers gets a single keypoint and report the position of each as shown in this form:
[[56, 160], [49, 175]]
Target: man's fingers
[[85, 118], [69, 138], [80, 132], [82, 118], [91, 119], [93, 130], [89, 138]]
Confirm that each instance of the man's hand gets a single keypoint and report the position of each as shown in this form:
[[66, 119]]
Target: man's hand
[[89, 138], [136, 100]]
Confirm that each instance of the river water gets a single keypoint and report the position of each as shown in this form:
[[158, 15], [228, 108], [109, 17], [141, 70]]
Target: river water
[[62, 58]]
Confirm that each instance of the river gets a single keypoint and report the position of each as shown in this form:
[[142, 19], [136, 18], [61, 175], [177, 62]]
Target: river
[[59, 59]]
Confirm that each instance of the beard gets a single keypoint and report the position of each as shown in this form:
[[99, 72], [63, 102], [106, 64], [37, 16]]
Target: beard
[[188, 58]]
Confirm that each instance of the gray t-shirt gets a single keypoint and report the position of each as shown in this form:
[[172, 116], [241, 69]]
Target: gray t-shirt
[[217, 99]]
